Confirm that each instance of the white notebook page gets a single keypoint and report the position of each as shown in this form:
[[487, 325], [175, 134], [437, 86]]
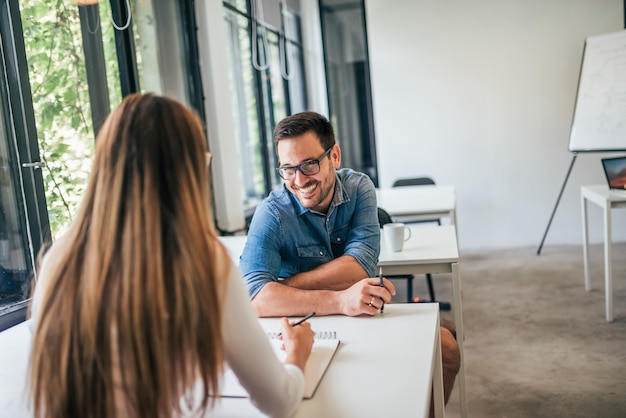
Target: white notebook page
[[321, 356]]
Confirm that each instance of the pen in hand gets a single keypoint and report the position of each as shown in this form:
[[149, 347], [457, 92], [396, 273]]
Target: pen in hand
[[312, 314], [380, 276]]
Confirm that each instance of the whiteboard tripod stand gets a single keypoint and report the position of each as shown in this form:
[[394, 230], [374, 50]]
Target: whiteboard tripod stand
[[569, 171], [598, 122]]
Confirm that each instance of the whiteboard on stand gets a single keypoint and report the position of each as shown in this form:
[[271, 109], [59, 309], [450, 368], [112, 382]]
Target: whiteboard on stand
[[599, 122]]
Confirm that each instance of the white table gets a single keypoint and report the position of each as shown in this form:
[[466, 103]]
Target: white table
[[601, 196], [385, 366], [432, 250], [234, 244], [418, 202], [15, 344]]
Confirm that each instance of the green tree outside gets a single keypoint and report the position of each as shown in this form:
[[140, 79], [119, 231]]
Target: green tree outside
[[56, 63]]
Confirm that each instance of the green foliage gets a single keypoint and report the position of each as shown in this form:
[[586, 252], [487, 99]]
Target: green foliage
[[56, 63]]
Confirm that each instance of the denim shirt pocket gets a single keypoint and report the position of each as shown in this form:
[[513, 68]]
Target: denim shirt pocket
[[311, 256], [338, 240]]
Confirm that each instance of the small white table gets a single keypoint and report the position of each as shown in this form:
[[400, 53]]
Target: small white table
[[418, 202], [385, 366], [601, 196], [432, 250]]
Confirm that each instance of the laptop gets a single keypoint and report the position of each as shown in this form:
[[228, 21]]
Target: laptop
[[615, 171]]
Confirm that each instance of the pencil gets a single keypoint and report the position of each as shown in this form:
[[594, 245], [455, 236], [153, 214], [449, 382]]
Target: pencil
[[380, 276], [312, 314]]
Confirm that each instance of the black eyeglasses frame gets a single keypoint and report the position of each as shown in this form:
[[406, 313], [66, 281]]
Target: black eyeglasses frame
[[299, 167]]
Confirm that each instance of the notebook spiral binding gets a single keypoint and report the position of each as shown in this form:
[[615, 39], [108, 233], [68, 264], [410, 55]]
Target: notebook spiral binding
[[319, 335]]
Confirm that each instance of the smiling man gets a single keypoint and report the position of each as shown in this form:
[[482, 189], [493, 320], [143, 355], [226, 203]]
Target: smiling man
[[313, 245]]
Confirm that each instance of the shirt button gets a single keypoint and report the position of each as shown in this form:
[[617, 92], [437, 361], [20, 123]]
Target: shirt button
[[338, 239], [321, 252]]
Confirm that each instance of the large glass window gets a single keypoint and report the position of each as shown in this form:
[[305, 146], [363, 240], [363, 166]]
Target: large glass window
[[267, 84], [55, 49], [74, 63], [15, 255], [347, 72], [64, 67], [81, 60], [23, 218]]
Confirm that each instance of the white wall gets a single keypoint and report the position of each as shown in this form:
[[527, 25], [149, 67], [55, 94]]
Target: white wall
[[480, 94]]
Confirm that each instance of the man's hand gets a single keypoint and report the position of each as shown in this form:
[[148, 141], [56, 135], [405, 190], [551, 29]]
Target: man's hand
[[366, 296]]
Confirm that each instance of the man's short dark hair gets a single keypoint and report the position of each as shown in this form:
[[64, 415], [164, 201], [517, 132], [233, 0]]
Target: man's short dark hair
[[301, 123]]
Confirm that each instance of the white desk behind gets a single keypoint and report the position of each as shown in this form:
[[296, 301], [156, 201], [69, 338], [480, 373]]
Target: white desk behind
[[384, 367], [601, 196], [432, 250], [428, 245], [416, 202]]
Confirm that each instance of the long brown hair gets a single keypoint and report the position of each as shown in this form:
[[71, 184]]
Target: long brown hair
[[130, 312]]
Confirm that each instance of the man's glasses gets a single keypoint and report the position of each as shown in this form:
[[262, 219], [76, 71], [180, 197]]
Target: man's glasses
[[308, 168]]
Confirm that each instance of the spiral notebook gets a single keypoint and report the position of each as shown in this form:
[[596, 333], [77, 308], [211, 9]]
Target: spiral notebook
[[324, 348]]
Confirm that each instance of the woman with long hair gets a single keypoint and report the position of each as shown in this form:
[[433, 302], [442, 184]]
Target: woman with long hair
[[138, 307]]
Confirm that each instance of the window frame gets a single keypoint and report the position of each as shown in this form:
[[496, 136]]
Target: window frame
[[20, 121], [264, 102], [20, 116]]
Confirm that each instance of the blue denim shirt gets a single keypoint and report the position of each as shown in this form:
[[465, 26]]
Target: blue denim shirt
[[285, 238]]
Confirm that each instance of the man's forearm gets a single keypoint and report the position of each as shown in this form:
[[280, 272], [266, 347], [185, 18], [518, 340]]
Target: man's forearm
[[339, 274], [277, 299]]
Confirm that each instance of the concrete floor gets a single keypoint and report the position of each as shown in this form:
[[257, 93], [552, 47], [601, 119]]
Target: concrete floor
[[537, 344]]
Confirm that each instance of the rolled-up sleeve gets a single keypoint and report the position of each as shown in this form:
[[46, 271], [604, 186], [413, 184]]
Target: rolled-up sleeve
[[260, 261], [364, 237]]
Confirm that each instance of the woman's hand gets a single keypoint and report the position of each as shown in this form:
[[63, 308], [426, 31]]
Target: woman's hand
[[297, 342]]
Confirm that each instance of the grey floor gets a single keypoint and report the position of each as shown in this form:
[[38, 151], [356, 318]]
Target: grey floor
[[537, 344]]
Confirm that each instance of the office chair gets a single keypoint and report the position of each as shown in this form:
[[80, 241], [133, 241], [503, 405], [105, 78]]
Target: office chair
[[423, 181], [416, 181]]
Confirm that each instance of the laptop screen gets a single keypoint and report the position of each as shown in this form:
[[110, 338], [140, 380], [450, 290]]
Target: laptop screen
[[615, 171]]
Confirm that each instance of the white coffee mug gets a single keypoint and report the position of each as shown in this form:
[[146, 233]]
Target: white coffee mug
[[396, 235]]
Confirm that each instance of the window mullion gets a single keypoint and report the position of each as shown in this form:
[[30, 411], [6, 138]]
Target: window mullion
[[95, 65], [125, 45]]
